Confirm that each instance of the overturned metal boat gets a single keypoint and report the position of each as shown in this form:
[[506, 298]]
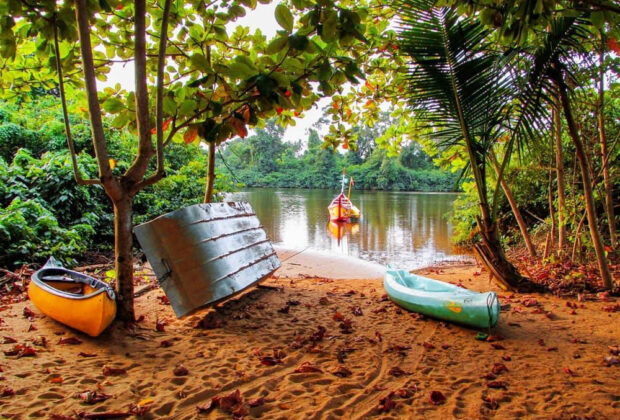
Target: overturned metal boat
[[207, 252]]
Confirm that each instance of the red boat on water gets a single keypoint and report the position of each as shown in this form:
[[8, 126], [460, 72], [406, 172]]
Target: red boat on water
[[341, 209]]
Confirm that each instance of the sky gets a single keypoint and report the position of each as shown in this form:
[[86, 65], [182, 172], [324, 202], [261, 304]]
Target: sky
[[262, 18]]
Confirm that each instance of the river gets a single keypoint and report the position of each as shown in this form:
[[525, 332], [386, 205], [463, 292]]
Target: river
[[408, 230]]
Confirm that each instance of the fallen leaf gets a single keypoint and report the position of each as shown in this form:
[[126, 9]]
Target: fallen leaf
[[407, 392], [82, 354], [337, 316], [611, 361], [307, 367], [342, 372], [498, 346], [113, 371], [506, 358], [160, 325], [615, 350], [499, 368], [490, 402], [497, 384], [428, 345], [379, 336], [166, 343], [70, 340], [8, 340], [93, 397], [139, 410], [230, 401], [568, 371], [6, 392], [386, 403], [180, 370], [357, 311], [32, 328], [436, 397], [56, 380], [285, 309], [492, 338], [28, 312], [319, 334]]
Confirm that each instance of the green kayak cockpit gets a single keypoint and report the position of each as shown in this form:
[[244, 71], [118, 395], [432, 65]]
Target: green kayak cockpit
[[442, 300]]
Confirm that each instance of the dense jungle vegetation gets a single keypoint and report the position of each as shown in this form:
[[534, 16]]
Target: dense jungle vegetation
[[264, 160]]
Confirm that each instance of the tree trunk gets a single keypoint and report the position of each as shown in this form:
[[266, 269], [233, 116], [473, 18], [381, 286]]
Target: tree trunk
[[515, 208], [123, 246], [559, 168], [551, 205], [210, 174], [587, 186], [609, 201]]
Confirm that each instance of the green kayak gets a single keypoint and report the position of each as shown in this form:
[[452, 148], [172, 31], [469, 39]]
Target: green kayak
[[441, 300]]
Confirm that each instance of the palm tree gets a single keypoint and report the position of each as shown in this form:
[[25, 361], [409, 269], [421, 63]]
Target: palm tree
[[562, 47], [459, 88]]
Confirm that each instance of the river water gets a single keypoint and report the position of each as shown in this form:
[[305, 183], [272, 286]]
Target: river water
[[405, 229]]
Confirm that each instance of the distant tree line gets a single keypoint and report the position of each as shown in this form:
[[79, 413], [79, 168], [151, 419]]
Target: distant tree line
[[266, 160]]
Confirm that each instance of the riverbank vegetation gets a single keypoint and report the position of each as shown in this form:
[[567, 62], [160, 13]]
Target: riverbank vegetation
[[265, 160]]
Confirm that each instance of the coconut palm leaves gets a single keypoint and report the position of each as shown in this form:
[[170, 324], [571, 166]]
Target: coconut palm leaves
[[459, 89], [457, 85]]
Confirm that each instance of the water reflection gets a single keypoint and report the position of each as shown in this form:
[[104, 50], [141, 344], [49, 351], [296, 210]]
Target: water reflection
[[409, 230]]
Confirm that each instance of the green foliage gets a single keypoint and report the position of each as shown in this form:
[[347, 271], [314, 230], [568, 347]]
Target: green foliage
[[44, 212], [264, 160], [13, 137], [30, 233]]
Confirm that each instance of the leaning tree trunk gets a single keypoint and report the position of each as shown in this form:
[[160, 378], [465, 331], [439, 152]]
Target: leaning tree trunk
[[490, 250], [609, 200], [210, 174], [123, 245], [559, 168], [587, 185], [515, 208]]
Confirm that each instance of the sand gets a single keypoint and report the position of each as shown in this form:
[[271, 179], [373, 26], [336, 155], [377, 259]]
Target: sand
[[309, 347]]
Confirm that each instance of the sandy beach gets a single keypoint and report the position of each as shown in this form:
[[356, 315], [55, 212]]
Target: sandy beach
[[318, 344]]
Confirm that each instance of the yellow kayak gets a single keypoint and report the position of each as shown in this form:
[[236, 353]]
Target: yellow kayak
[[74, 299]]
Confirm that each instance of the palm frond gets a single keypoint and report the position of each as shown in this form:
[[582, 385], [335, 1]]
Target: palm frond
[[456, 82]]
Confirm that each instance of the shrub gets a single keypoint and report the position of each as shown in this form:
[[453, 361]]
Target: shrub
[[30, 233]]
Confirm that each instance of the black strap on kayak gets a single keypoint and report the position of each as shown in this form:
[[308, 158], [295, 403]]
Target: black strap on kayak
[[491, 298]]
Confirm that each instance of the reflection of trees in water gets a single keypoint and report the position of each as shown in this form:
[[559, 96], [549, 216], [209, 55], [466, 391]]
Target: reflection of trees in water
[[394, 226], [267, 206]]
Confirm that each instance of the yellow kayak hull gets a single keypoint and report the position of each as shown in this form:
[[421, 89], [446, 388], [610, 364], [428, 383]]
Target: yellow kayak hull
[[86, 307]]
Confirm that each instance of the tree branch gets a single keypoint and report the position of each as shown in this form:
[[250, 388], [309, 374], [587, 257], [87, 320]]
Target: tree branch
[[61, 86], [110, 184], [145, 146], [159, 174]]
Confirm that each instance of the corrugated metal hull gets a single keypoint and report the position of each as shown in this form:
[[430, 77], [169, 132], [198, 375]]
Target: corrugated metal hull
[[206, 252]]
